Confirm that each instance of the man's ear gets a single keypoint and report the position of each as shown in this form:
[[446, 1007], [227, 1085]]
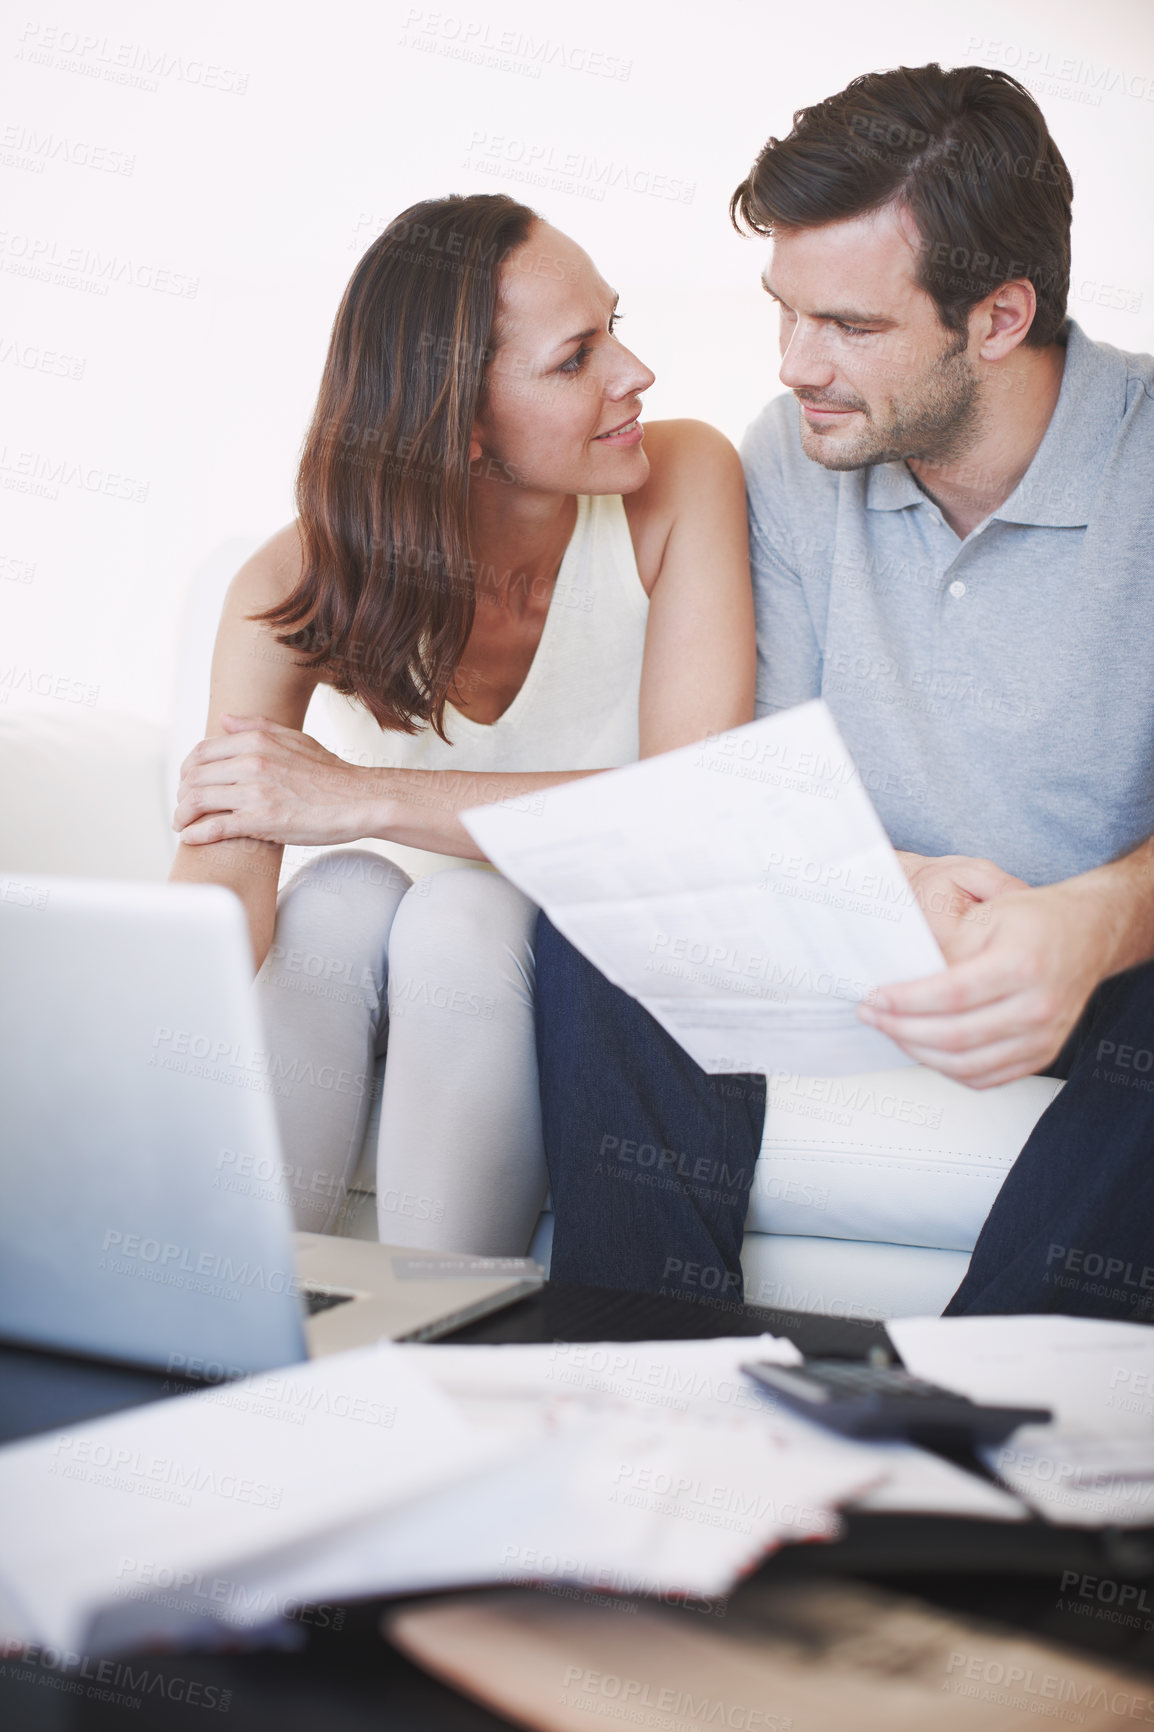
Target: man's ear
[[1004, 318]]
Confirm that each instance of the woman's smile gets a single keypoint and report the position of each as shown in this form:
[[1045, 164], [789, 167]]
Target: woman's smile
[[628, 433]]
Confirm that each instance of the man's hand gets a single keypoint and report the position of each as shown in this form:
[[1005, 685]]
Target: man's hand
[[952, 891], [271, 783], [1022, 965]]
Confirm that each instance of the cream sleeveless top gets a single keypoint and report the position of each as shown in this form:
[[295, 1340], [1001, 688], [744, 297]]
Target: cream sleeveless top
[[577, 709]]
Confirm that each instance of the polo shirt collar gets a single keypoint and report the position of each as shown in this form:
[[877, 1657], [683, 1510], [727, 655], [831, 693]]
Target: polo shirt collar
[[891, 487], [1059, 488]]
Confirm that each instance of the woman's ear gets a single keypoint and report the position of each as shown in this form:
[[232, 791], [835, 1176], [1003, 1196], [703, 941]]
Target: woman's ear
[[476, 449]]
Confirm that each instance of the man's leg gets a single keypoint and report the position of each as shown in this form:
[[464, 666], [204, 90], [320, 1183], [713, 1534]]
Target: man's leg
[[1072, 1228], [650, 1159]]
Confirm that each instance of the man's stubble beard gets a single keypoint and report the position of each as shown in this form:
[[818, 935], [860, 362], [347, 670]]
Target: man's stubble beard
[[937, 427]]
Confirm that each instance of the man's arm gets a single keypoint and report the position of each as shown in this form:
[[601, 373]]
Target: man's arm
[[789, 658], [1023, 962]]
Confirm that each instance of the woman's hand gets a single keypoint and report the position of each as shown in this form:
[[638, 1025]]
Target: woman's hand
[[271, 783]]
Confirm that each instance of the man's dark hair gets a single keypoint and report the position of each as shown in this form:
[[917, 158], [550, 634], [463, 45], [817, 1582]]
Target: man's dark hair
[[967, 152]]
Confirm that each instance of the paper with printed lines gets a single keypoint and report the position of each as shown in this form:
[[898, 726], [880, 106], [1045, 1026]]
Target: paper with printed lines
[[741, 889]]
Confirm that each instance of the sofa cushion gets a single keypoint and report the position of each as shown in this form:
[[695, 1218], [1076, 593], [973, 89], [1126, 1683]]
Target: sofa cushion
[[905, 1157], [847, 1278], [82, 795], [838, 1277]]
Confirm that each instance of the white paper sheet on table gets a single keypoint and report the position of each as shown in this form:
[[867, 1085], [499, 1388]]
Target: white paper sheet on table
[[147, 1520], [742, 889], [1095, 1464], [497, 1383], [648, 1468], [652, 1467], [917, 1482], [508, 1384]]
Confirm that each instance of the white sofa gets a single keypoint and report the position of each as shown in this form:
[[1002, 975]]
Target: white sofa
[[869, 1191]]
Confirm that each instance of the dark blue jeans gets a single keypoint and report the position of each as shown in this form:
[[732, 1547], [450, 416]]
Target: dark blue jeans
[[651, 1160]]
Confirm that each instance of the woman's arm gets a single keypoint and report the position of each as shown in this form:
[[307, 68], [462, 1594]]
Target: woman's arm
[[262, 778], [251, 670], [279, 783], [691, 534]]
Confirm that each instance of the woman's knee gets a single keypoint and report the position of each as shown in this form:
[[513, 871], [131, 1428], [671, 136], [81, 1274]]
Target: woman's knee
[[465, 929], [333, 921], [341, 884], [351, 873]]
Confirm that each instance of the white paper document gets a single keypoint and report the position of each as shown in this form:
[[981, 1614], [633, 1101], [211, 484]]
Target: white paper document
[[918, 1482], [742, 889], [652, 1468], [145, 1522], [498, 1383], [644, 1468], [1095, 1464]]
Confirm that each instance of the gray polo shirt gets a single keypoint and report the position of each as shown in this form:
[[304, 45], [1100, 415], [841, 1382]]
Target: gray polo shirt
[[997, 693]]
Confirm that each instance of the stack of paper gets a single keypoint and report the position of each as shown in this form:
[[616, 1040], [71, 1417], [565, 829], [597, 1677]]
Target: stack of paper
[[654, 1468], [1095, 1465], [511, 1385], [645, 1468], [142, 1524]]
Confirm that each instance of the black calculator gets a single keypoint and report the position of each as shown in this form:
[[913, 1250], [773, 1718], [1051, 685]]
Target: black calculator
[[883, 1401]]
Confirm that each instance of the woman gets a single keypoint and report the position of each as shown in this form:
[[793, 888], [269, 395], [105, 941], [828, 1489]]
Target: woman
[[497, 573]]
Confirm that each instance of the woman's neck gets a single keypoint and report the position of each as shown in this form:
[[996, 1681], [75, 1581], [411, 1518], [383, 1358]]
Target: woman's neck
[[518, 540]]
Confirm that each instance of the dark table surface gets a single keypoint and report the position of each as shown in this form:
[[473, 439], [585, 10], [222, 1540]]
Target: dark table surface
[[341, 1675]]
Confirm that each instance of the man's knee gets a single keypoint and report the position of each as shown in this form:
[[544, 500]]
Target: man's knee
[[568, 981], [700, 1280], [555, 953]]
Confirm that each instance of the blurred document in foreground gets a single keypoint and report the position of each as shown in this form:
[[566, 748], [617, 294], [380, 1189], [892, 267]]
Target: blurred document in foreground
[[1094, 1466], [742, 889]]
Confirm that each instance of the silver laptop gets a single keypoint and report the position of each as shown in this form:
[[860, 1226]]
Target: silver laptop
[[137, 1142]]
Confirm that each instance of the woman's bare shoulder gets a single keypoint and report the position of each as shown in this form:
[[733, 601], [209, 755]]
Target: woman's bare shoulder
[[682, 448], [687, 460], [254, 673], [271, 573], [684, 433], [693, 468], [267, 578]]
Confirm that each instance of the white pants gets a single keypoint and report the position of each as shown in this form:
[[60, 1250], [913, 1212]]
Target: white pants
[[438, 977]]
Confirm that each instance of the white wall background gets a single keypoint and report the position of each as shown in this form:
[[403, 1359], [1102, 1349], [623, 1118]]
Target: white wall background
[[184, 190]]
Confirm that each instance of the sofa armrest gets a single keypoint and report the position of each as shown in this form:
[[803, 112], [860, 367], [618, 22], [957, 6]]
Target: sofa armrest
[[906, 1157]]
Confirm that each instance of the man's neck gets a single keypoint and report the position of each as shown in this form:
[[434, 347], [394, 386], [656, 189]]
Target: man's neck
[[1019, 398]]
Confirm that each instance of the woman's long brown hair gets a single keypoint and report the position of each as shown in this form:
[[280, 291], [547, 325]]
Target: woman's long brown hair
[[385, 601]]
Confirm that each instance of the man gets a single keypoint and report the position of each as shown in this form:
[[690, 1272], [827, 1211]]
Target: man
[[950, 524]]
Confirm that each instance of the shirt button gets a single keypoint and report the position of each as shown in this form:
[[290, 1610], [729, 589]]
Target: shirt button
[[957, 588]]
